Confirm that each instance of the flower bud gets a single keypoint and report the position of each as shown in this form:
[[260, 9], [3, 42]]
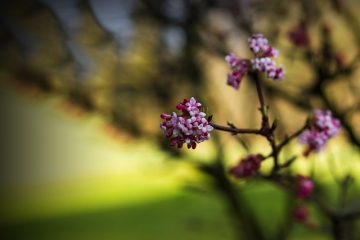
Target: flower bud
[[301, 213], [305, 187], [247, 166], [191, 127]]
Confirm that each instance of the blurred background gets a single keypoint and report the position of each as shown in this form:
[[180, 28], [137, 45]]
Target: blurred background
[[83, 83]]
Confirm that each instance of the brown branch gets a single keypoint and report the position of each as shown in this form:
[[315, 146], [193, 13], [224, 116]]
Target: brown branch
[[268, 131], [291, 137], [235, 130], [263, 108]]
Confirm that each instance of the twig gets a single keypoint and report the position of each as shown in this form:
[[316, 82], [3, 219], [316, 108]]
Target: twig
[[291, 137], [236, 130]]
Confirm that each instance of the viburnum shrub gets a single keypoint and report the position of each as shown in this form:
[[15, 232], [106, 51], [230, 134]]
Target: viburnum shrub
[[191, 127]]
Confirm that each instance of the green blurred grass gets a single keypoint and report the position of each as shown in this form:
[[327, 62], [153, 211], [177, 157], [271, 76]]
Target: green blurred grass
[[187, 215], [180, 217]]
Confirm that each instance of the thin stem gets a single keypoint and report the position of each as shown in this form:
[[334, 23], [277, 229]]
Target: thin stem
[[284, 143], [288, 162], [291, 137], [265, 126], [275, 154], [260, 95], [265, 120], [236, 130]]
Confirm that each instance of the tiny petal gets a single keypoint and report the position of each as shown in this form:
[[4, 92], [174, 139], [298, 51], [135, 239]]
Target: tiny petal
[[279, 74], [165, 116]]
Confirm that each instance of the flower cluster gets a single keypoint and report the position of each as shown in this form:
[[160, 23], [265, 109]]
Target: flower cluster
[[246, 166], [268, 66], [262, 62], [323, 126], [304, 187], [191, 127], [263, 53], [325, 122], [259, 45], [239, 67]]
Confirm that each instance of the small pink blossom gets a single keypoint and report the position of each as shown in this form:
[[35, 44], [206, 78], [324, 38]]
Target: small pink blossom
[[233, 60], [191, 127], [246, 166], [268, 66], [301, 213], [323, 126], [326, 123], [263, 64], [276, 74], [239, 68], [258, 43], [264, 54], [305, 186], [316, 140], [262, 61], [271, 52], [299, 35]]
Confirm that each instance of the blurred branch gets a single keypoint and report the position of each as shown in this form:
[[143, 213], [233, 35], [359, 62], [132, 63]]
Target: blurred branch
[[245, 222]]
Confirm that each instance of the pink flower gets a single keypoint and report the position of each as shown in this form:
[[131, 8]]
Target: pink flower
[[301, 213], [299, 35], [326, 123], [239, 68], [246, 166], [305, 186], [268, 66], [264, 53], [233, 60], [258, 43], [191, 127], [323, 126], [271, 52], [262, 62], [315, 140], [276, 73]]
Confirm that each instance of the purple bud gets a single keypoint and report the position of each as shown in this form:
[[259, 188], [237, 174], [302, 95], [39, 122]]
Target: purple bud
[[301, 214], [305, 187], [246, 166]]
